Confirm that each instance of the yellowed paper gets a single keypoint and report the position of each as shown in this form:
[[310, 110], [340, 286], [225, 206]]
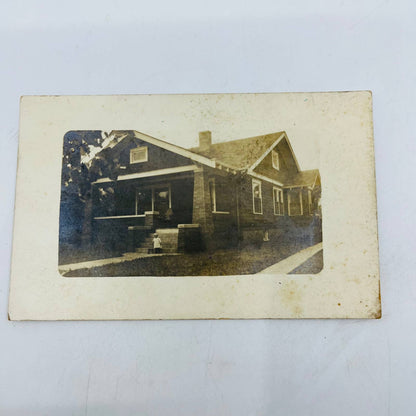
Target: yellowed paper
[[279, 185]]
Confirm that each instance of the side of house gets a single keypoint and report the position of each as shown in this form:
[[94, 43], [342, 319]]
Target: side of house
[[269, 199]]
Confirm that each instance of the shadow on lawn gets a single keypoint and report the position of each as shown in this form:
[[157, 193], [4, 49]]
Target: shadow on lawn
[[249, 260]]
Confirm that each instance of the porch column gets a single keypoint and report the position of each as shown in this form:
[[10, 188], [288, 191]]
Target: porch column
[[201, 213], [301, 200]]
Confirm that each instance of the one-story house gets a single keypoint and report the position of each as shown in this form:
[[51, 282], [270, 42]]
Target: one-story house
[[247, 191]]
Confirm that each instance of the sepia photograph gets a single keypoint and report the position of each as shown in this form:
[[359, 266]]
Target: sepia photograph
[[134, 205]]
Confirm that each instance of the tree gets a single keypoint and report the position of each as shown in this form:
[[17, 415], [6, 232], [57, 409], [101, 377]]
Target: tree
[[77, 177]]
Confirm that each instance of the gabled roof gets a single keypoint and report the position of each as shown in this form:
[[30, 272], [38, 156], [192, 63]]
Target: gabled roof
[[174, 148], [189, 153], [302, 178], [119, 135], [235, 155], [241, 153]]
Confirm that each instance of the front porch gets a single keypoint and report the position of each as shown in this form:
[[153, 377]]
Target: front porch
[[155, 202], [176, 204], [125, 212]]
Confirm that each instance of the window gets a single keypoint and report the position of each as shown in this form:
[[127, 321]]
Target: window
[[155, 198], [275, 160], [138, 155], [144, 201], [278, 201], [295, 202], [218, 192], [257, 198]]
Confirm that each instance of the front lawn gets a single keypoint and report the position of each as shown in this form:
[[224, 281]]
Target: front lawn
[[219, 263]]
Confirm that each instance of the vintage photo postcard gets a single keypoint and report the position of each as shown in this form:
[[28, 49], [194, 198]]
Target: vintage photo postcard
[[196, 207]]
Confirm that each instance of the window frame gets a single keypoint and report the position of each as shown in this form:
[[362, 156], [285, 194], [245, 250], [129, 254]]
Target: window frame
[[276, 157], [152, 189], [135, 149], [289, 202], [213, 196], [253, 183], [278, 192]]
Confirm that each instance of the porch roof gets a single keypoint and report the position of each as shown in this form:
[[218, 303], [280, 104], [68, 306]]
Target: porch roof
[[152, 173], [303, 178]]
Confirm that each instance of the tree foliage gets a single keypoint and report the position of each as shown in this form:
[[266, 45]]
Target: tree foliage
[[78, 172], [78, 176]]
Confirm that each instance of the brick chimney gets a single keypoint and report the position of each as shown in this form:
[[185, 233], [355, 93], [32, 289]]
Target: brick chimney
[[204, 140]]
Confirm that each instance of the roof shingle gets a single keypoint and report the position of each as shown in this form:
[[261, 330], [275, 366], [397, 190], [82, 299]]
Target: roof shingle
[[241, 153], [302, 178]]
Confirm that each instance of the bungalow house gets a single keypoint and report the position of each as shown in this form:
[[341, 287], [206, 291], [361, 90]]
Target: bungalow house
[[246, 191]]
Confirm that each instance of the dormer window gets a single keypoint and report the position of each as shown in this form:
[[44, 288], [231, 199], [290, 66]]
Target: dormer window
[[138, 155], [275, 159]]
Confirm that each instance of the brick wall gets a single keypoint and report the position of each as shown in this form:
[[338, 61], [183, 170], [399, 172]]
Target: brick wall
[[189, 238], [202, 214], [247, 216]]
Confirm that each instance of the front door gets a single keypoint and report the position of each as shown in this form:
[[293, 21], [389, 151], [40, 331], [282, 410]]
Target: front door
[[162, 203]]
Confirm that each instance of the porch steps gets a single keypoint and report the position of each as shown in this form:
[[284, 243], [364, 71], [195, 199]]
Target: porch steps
[[169, 237], [146, 246]]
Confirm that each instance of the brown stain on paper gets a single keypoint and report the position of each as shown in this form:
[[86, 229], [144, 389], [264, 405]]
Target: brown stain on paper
[[291, 297]]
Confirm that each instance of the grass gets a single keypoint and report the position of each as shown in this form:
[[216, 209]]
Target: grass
[[71, 254], [219, 263]]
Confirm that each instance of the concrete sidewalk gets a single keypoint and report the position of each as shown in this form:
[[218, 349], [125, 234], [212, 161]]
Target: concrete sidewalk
[[65, 268], [290, 263]]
